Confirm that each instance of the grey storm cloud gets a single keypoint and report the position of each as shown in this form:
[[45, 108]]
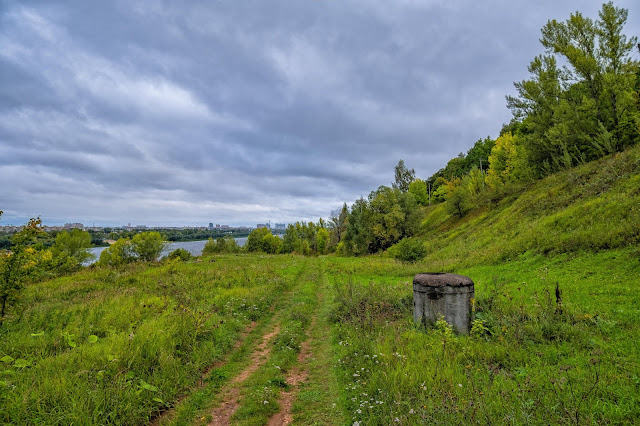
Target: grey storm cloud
[[242, 111]]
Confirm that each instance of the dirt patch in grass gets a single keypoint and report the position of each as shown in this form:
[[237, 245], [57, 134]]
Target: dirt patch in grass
[[221, 416], [296, 376]]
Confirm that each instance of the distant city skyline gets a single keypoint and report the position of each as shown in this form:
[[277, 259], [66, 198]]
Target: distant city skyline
[[88, 224]]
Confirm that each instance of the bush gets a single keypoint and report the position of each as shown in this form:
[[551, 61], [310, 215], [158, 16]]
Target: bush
[[408, 250], [117, 254], [262, 240], [256, 238], [221, 245], [271, 244], [74, 245], [181, 254], [148, 245]]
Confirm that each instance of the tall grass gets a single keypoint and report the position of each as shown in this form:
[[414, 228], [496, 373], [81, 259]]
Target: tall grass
[[117, 346], [592, 207], [531, 358]]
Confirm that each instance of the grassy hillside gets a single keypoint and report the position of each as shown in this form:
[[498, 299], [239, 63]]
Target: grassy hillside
[[588, 208]]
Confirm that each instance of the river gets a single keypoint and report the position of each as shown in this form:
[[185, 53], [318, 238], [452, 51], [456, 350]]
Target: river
[[193, 247]]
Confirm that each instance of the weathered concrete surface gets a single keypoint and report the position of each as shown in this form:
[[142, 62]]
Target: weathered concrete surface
[[443, 294]]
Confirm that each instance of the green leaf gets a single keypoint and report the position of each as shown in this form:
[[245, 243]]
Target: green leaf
[[69, 338], [93, 338], [21, 363], [130, 375], [37, 334], [6, 359], [158, 400], [147, 386]]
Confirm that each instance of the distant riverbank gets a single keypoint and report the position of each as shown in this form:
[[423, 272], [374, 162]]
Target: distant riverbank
[[193, 247]]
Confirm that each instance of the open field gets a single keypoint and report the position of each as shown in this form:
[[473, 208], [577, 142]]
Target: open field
[[328, 340], [258, 339]]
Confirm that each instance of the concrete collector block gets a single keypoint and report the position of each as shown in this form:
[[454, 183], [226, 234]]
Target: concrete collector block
[[443, 294]]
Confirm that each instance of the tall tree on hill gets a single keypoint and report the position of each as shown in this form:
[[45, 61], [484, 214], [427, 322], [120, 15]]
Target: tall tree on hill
[[586, 109], [403, 176]]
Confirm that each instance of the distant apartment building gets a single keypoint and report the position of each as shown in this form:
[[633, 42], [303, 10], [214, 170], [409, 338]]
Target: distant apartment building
[[73, 226], [10, 228], [263, 225], [280, 226], [210, 225]]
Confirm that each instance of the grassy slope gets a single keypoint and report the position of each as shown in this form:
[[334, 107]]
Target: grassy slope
[[592, 207], [534, 361]]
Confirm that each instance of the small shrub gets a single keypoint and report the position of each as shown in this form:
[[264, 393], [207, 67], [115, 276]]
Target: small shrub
[[225, 244], [408, 250], [181, 254]]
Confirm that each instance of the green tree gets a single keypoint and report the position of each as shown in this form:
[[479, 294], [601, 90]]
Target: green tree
[[358, 237], [439, 190], [226, 244], [271, 244], [148, 245], [419, 190], [501, 161], [73, 245], [322, 240], [586, 109], [386, 218], [459, 199], [403, 177], [338, 224], [474, 181], [255, 240], [478, 155], [17, 266], [117, 254]]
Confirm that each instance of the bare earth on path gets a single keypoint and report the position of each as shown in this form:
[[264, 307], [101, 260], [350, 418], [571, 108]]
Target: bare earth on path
[[221, 416], [169, 413], [296, 376]]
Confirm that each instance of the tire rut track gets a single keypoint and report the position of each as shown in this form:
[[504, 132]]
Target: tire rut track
[[297, 375], [221, 416]]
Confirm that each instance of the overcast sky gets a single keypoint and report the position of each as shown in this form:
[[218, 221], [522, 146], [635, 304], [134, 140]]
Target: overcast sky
[[238, 112]]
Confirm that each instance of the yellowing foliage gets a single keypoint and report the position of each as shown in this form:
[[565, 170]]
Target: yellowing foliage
[[502, 161]]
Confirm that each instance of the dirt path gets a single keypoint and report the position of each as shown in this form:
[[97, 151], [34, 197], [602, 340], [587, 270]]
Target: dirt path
[[167, 415], [221, 416], [296, 376]]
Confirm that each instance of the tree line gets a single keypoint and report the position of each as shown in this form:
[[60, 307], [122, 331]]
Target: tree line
[[563, 115]]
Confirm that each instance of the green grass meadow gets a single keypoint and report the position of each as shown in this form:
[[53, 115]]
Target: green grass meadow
[[531, 360], [120, 346], [556, 336]]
